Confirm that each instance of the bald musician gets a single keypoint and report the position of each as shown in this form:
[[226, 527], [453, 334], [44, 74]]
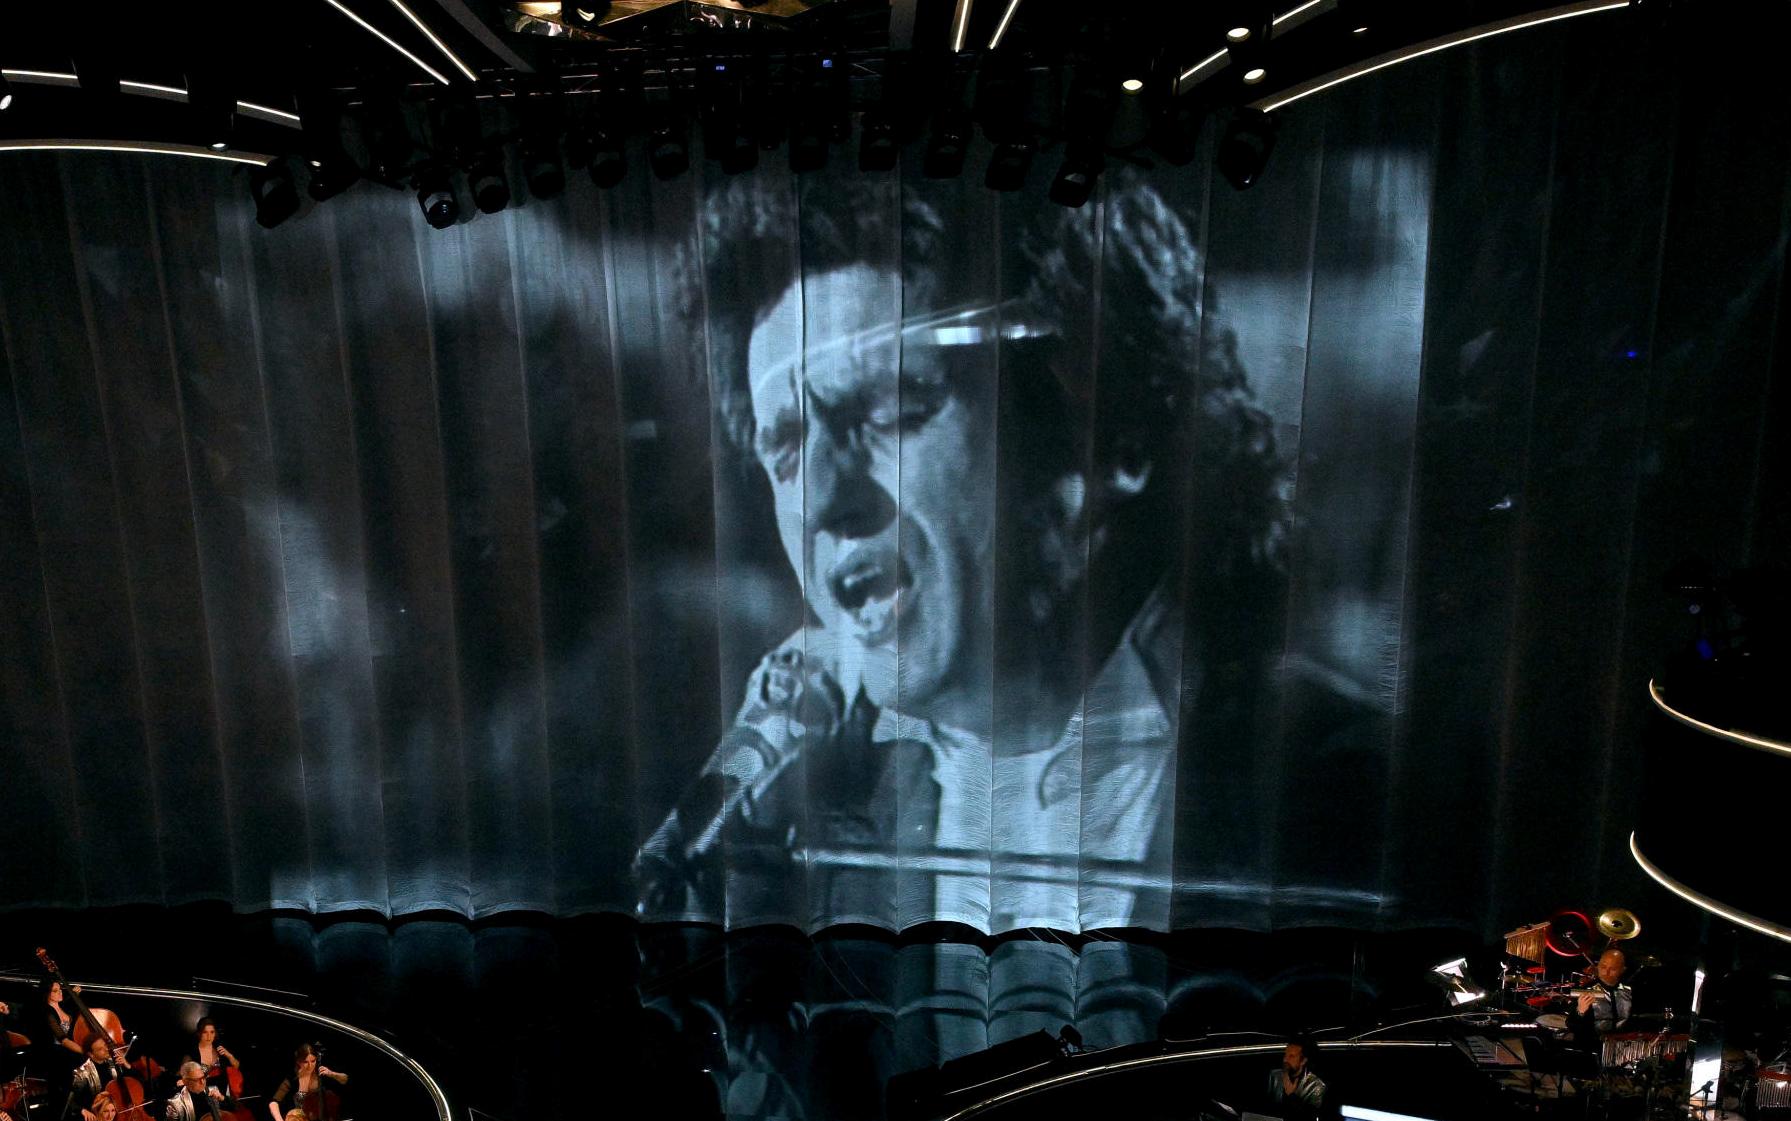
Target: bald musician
[[1606, 1005]]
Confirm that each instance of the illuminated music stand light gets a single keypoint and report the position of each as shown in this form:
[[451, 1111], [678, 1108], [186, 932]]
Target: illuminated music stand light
[[1452, 977]]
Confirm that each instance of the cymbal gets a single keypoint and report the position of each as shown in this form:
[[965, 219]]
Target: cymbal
[[1619, 924], [1645, 961]]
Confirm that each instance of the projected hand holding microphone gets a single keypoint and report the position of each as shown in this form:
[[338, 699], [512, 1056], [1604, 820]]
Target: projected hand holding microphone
[[793, 704]]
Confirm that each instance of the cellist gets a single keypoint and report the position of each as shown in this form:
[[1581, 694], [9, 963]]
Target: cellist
[[100, 1069]]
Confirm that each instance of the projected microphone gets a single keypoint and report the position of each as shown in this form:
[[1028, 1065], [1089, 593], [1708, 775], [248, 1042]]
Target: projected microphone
[[790, 704]]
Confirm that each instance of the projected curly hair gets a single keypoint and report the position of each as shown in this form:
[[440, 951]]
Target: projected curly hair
[[1172, 391]]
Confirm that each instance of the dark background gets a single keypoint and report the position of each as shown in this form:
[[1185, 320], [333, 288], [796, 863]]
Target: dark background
[[353, 567]]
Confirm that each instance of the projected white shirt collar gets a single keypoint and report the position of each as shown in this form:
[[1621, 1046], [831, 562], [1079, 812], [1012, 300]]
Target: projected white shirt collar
[[1089, 804]]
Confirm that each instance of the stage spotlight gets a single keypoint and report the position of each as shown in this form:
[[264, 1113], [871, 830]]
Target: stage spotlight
[[947, 144], [609, 164], [276, 196], [541, 168], [1074, 183], [1245, 148], [808, 143], [330, 176], [1131, 117], [435, 194], [485, 178], [877, 143], [5, 94], [1009, 166], [212, 107], [668, 152], [1175, 131]]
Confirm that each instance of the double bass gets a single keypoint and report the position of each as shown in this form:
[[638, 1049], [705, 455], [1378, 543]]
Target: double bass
[[129, 1090]]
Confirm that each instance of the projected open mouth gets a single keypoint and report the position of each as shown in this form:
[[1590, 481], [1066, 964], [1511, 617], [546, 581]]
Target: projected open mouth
[[869, 587]]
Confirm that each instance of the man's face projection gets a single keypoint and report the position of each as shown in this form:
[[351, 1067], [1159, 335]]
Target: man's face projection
[[882, 469]]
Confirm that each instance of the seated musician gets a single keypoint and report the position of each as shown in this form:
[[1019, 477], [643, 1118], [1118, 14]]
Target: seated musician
[[305, 1089], [60, 1023], [213, 1056], [102, 1108], [195, 1101], [100, 1069], [1606, 1005], [1293, 1087]]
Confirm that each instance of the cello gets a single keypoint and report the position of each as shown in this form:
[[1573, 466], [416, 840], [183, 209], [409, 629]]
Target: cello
[[223, 1069], [129, 1090]]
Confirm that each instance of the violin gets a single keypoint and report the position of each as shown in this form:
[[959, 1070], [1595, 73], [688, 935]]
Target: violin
[[129, 1090]]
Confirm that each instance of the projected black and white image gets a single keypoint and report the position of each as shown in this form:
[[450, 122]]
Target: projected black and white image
[[981, 473]]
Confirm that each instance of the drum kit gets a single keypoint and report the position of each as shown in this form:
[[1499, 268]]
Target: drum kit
[[1644, 1061]]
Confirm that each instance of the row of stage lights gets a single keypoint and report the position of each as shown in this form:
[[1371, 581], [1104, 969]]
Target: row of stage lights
[[465, 143], [1103, 118]]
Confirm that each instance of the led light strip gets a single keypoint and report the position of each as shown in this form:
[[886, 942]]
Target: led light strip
[[389, 41], [151, 89], [143, 147], [1419, 50], [1699, 899], [430, 1085], [1201, 69], [1294, 17], [439, 45], [960, 25], [1007, 17], [1742, 738]]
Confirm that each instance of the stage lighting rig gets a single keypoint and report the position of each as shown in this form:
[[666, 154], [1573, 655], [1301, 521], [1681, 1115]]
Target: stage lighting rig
[[947, 143], [541, 170], [1074, 183], [601, 151], [1246, 146], [275, 194], [668, 150], [435, 195], [212, 106], [878, 144], [486, 180]]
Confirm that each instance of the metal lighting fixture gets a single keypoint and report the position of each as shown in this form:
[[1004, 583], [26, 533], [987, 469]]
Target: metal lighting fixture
[[276, 196], [435, 195], [1175, 130], [212, 108], [608, 162], [1245, 148], [485, 179], [1074, 183], [947, 144], [1010, 164], [668, 152], [541, 168], [878, 145]]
